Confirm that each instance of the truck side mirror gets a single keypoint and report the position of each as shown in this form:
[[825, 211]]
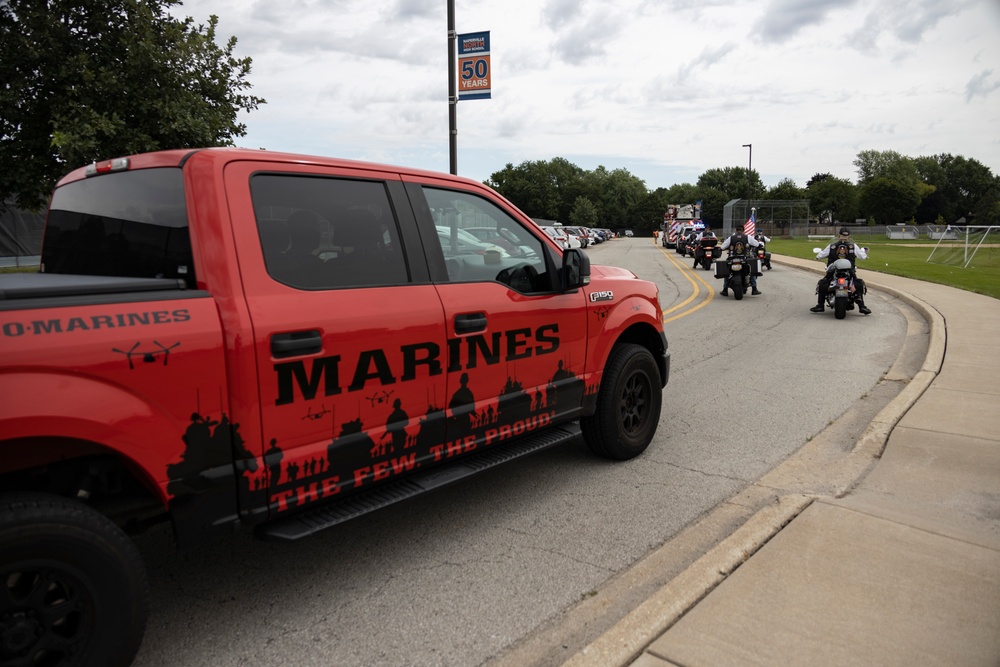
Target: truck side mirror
[[575, 269]]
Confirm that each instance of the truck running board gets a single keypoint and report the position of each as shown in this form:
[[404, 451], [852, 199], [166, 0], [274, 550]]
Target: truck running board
[[312, 521]]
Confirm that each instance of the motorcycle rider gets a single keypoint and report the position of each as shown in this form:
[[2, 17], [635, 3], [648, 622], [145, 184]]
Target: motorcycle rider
[[740, 244], [763, 240], [705, 233], [842, 248]]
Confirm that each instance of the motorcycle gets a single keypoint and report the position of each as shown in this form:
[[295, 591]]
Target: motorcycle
[[734, 271], [841, 294], [706, 251], [685, 245], [764, 257]]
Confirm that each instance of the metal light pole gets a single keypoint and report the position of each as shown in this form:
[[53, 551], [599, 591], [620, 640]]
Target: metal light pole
[[749, 169], [452, 89]]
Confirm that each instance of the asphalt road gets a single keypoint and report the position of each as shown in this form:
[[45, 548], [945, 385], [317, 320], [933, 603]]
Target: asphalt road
[[529, 562]]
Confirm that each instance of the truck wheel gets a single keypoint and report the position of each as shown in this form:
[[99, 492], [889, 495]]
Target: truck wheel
[[628, 405], [73, 589]]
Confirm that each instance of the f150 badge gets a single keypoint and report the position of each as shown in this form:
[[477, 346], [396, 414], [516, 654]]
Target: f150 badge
[[606, 295]]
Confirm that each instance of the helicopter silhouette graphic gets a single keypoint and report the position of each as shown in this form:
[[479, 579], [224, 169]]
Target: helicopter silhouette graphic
[[148, 356], [317, 415], [380, 397]]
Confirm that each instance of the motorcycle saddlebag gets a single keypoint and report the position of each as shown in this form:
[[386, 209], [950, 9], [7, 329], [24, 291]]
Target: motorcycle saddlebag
[[716, 252], [722, 269]]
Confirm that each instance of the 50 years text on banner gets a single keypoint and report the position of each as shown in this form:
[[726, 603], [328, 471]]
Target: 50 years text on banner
[[474, 66]]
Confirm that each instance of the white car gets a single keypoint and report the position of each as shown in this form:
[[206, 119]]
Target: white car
[[572, 238], [580, 234], [559, 235], [465, 243]]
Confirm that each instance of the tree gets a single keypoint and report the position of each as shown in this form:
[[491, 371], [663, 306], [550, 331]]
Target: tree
[[885, 164], [785, 190], [86, 81], [735, 182], [584, 213], [836, 197], [621, 194], [889, 201], [713, 204]]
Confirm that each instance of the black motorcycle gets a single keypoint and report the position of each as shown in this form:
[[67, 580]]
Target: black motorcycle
[[734, 271], [763, 256], [841, 294], [706, 251]]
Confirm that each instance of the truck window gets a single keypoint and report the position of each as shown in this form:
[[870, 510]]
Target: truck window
[[128, 223], [482, 243], [326, 233]]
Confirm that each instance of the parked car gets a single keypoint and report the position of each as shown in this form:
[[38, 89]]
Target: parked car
[[505, 238], [560, 236], [579, 234], [465, 243]]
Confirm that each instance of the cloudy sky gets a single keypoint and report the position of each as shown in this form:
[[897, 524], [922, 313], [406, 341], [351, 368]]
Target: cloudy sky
[[663, 88]]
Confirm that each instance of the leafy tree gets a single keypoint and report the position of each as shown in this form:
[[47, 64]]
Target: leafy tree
[[838, 198], [889, 201], [713, 204], [621, 194], [651, 208], [681, 193], [987, 211], [785, 190], [965, 182], [584, 213], [817, 178], [735, 182], [530, 187], [885, 164], [85, 81]]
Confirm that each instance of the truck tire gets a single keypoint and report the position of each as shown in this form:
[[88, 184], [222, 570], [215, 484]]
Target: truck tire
[[74, 589], [628, 405]]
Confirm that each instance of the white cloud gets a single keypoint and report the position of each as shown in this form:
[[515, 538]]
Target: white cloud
[[663, 89]]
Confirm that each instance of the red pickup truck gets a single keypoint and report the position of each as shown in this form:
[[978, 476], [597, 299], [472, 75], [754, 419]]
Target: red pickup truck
[[224, 337]]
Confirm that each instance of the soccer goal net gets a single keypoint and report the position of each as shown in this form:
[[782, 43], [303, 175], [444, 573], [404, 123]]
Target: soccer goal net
[[958, 246]]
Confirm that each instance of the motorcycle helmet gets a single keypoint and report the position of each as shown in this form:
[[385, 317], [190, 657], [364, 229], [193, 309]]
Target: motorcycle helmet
[[842, 265]]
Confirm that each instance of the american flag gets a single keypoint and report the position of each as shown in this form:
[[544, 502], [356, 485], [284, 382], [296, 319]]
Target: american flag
[[751, 227]]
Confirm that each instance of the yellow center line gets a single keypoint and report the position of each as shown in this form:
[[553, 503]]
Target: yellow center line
[[692, 277]]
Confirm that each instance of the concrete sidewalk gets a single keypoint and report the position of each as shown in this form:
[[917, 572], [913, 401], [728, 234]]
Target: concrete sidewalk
[[903, 570]]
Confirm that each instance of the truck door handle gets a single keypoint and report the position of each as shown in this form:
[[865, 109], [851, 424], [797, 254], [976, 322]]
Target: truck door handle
[[296, 343], [469, 323]]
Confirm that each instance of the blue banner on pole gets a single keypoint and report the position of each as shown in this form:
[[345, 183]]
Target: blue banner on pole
[[474, 74]]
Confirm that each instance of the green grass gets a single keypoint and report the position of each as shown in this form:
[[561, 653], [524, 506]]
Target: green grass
[[909, 259]]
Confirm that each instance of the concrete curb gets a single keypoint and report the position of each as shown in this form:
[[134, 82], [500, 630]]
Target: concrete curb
[[627, 640], [630, 636]]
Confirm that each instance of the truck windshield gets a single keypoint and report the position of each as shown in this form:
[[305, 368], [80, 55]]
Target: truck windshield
[[129, 223]]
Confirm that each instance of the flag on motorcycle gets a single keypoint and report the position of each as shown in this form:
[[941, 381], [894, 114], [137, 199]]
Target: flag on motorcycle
[[751, 227]]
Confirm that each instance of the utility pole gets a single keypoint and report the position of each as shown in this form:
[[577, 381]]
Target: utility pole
[[749, 169], [452, 89]]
